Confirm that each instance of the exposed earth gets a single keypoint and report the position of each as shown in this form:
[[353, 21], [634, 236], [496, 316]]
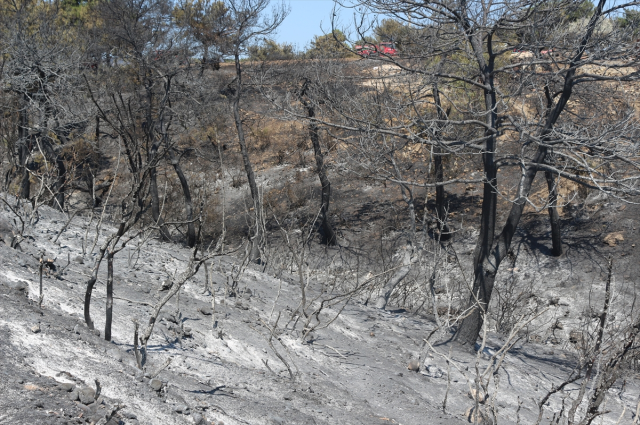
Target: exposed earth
[[366, 367]]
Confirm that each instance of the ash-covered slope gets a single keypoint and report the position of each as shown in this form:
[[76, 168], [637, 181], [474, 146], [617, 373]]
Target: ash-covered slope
[[351, 372]]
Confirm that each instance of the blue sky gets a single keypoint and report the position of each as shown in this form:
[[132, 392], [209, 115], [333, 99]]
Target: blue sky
[[304, 21]]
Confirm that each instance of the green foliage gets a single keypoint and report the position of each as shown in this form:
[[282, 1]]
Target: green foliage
[[329, 46], [392, 30], [270, 50], [208, 21], [582, 9], [630, 21], [366, 40]]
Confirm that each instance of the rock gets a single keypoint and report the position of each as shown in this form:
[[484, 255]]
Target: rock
[[18, 286], [87, 395], [98, 419], [482, 397], [596, 198], [35, 328], [181, 408], [73, 396], [8, 239], [198, 419], [206, 311], [7, 231], [612, 239], [76, 329], [241, 306], [276, 420], [129, 415], [66, 387], [171, 317], [115, 354], [575, 337], [78, 260], [478, 418], [96, 332], [414, 365], [434, 371], [155, 384]]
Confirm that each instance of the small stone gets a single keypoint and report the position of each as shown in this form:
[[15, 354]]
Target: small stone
[[481, 398], [98, 419], [181, 408], [96, 332], [115, 354], [206, 311], [7, 238], [35, 328], [39, 404], [241, 306], [434, 371], [87, 395], [480, 417], [79, 260], [612, 239], [18, 286], [129, 415], [414, 365], [76, 329], [198, 419], [155, 384], [73, 396], [66, 387]]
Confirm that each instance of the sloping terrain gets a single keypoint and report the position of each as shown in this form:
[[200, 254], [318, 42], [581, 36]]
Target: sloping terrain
[[355, 371]]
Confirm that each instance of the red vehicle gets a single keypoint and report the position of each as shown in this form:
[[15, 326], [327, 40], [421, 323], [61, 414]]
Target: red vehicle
[[386, 48]]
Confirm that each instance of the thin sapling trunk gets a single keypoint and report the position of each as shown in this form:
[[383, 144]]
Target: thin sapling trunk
[[109, 311]]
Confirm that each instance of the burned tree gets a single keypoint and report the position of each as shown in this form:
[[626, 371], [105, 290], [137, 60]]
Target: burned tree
[[249, 22], [40, 73], [467, 50]]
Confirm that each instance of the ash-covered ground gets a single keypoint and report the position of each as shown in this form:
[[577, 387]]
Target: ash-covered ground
[[357, 370]]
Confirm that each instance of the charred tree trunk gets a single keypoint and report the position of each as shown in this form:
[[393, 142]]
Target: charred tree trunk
[[155, 204], [188, 203], [109, 311], [205, 59], [488, 257], [94, 274], [97, 135], [257, 237], [441, 211], [328, 234], [483, 281], [554, 218], [165, 235], [23, 155], [60, 183]]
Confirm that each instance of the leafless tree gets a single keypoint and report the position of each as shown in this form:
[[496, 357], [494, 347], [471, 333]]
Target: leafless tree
[[40, 74], [250, 21], [145, 110], [467, 49]]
